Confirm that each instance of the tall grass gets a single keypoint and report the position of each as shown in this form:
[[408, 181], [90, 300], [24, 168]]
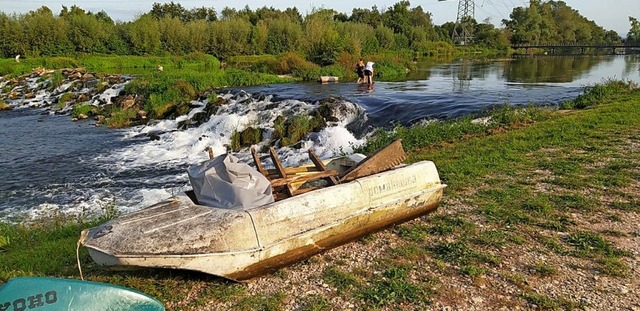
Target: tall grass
[[593, 94]]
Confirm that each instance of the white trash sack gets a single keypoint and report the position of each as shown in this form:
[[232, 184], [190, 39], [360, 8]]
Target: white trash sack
[[226, 183]]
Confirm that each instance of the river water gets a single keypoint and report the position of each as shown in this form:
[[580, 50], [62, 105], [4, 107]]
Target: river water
[[49, 164]]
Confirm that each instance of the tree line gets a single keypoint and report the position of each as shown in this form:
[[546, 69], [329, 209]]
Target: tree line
[[320, 36]]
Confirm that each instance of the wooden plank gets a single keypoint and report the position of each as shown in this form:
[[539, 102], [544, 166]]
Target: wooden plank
[[332, 180], [280, 170], [256, 160], [381, 160], [305, 190], [306, 177], [292, 170]]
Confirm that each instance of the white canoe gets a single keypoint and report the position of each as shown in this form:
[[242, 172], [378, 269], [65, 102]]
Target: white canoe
[[240, 244]]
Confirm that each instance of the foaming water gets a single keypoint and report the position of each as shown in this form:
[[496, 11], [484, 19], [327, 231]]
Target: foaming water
[[51, 165]]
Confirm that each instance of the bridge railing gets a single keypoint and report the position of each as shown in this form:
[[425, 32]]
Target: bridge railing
[[575, 45]]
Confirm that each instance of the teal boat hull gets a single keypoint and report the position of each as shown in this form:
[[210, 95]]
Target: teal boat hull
[[53, 294]]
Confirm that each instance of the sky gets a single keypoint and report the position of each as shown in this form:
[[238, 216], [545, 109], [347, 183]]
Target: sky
[[610, 14]]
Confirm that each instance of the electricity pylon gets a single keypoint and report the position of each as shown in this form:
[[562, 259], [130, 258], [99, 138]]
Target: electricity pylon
[[463, 30]]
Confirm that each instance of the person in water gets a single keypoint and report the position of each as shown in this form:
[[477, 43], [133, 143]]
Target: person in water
[[368, 73], [360, 71]]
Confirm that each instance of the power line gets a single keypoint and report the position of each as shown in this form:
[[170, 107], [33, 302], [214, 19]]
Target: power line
[[495, 7], [488, 13]]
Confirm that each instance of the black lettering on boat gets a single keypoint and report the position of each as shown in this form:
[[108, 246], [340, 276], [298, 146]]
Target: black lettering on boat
[[392, 186], [34, 301], [19, 304], [51, 297]]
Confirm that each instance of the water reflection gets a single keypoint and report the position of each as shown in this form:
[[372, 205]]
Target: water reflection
[[575, 70], [552, 68]]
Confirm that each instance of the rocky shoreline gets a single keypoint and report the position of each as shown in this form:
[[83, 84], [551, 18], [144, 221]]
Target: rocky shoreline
[[88, 95]]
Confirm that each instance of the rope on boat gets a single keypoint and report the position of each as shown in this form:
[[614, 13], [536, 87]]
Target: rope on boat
[[83, 237]]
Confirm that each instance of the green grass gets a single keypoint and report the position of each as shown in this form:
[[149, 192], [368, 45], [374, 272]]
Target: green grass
[[316, 303], [84, 109], [592, 244], [411, 251], [342, 281], [544, 270], [272, 302], [613, 267], [548, 303], [391, 287]]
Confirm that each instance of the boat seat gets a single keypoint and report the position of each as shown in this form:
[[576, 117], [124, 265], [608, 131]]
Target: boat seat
[[287, 182]]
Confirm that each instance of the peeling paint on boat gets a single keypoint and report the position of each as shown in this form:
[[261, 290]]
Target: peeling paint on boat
[[241, 244]]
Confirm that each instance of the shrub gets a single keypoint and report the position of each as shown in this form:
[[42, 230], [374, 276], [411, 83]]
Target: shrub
[[120, 118], [594, 94], [291, 62]]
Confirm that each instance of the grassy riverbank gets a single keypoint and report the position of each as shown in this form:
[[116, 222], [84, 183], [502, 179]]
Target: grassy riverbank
[[542, 210]]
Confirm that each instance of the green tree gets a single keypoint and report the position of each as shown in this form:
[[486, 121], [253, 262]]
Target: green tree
[[371, 17], [553, 22], [259, 35], [203, 14], [174, 35], [283, 35], [229, 37], [171, 10], [11, 33], [322, 41], [385, 37], [45, 34], [357, 38], [487, 35], [143, 35], [198, 36], [634, 32], [116, 39], [398, 17], [86, 32]]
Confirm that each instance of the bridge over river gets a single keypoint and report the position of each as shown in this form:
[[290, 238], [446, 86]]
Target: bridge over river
[[618, 48]]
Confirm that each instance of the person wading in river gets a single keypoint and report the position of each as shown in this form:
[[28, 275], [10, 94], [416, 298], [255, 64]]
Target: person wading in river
[[360, 71], [368, 73]]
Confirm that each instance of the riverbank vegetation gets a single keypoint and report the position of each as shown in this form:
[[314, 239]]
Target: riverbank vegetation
[[541, 202], [323, 36]]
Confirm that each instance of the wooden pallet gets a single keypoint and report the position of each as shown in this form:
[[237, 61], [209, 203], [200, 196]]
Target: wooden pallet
[[287, 182]]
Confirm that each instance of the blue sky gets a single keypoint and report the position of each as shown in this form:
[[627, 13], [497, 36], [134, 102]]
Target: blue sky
[[611, 14]]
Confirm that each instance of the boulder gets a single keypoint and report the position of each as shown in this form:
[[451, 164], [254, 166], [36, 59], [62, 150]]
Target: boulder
[[128, 102], [82, 98]]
